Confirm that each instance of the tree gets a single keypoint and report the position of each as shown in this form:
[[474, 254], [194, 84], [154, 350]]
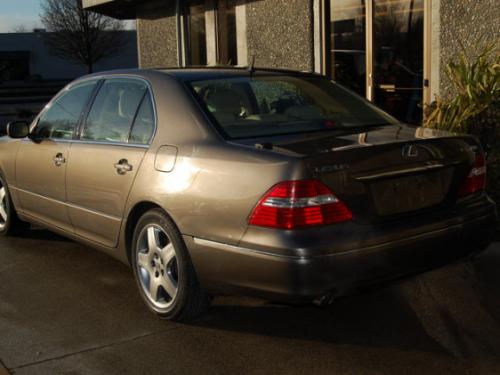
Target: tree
[[20, 29], [80, 36]]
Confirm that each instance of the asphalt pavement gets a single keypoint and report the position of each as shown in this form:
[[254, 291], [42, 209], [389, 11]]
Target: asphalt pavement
[[68, 309]]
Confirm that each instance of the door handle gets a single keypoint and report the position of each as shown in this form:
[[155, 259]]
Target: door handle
[[123, 166], [59, 160]]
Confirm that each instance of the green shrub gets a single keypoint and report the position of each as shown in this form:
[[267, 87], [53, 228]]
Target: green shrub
[[475, 109], [477, 85]]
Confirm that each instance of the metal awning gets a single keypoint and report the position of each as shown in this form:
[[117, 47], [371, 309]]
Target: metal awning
[[121, 9]]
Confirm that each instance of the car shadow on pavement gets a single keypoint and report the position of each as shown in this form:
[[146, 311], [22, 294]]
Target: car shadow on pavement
[[486, 271], [380, 318], [452, 311], [42, 235]]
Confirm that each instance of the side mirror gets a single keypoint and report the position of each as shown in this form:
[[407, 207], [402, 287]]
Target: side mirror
[[18, 129]]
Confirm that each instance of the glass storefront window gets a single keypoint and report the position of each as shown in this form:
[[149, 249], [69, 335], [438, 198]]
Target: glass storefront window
[[398, 45], [219, 30], [226, 27], [380, 43], [196, 32], [347, 41]]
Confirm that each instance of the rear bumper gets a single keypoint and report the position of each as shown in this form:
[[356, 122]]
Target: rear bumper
[[314, 272]]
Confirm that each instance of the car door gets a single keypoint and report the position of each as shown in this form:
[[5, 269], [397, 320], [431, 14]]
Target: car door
[[104, 161], [42, 160]]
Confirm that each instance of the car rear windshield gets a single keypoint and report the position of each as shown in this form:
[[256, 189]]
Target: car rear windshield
[[270, 105]]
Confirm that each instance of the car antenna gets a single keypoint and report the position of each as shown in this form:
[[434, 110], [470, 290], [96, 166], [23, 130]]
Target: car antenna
[[251, 68]]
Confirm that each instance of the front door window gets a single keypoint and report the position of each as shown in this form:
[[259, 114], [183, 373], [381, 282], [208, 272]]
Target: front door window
[[61, 119]]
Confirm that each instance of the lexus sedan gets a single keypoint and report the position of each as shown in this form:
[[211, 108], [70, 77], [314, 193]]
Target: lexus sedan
[[272, 183]]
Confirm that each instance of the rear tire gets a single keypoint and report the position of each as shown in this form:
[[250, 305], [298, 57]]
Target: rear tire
[[163, 270], [10, 224]]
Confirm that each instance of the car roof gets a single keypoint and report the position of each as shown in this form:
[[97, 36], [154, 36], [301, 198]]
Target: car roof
[[203, 73]]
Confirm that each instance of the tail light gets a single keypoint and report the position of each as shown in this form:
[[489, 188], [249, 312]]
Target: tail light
[[299, 204], [476, 180]]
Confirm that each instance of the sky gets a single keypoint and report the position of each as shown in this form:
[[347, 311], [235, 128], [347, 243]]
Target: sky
[[19, 12], [15, 13]]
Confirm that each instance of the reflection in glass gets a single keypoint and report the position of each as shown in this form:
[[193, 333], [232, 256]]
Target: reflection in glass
[[347, 40], [196, 30], [398, 57]]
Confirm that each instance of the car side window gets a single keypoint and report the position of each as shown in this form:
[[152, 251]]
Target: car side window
[[114, 109], [61, 119], [144, 124]]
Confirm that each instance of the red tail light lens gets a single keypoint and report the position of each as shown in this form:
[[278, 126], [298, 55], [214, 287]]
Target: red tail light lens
[[299, 204], [476, 180]]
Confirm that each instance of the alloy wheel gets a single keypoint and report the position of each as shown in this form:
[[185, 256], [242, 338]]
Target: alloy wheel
[[157, 268], [3, 206]]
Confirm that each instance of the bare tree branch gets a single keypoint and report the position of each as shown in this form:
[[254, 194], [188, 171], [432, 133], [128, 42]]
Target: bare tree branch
[[80, 36], [20, 29]]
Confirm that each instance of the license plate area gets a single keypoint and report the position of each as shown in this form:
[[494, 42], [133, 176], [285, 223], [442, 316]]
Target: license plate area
[[410, 193]]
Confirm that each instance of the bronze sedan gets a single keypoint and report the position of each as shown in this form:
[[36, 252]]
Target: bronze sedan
[[268, 182]]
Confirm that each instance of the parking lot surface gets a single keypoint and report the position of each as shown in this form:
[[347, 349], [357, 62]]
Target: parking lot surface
[[67, 309]]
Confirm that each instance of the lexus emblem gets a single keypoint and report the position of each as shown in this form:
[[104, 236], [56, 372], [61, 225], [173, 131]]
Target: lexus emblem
[[410, 151]]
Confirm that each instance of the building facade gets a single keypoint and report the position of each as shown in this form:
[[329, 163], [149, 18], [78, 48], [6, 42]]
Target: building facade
[[25, 56], [30, 75], [391, 51]]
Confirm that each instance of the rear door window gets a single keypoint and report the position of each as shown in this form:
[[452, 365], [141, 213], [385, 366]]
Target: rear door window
[[114, 110]]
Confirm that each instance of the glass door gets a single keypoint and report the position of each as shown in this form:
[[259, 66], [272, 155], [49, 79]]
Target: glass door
[[196, 30], [210, 28], [398, 61], [376, 48], [348, 44], [226, 32]]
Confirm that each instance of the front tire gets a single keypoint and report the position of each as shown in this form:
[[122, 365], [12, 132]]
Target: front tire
[[10, 224], [163, 270]]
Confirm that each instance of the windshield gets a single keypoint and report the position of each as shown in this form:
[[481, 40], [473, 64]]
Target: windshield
[[258, 106]]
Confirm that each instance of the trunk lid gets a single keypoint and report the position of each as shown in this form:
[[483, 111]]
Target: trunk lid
[[385, 172]]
